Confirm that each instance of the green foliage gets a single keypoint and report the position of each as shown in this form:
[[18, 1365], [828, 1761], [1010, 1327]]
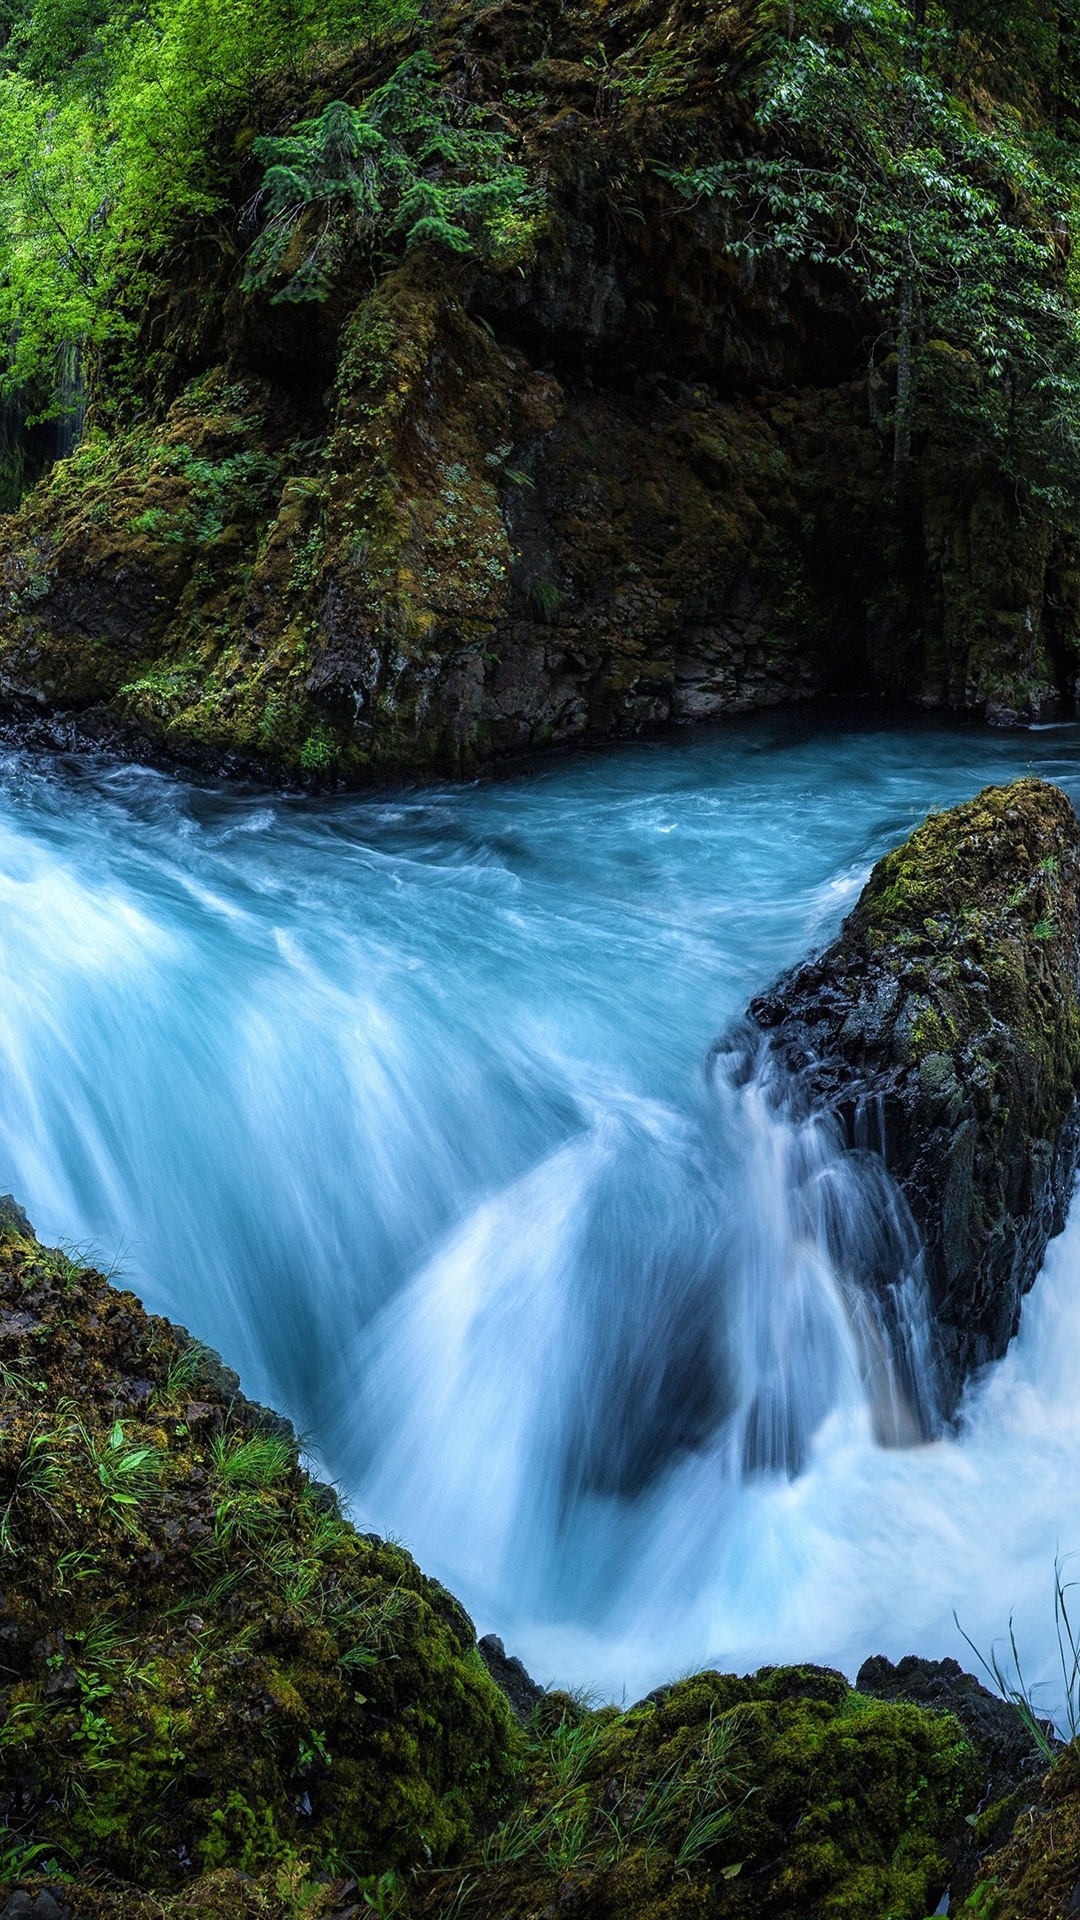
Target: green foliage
[[115, 123], [318, 754], [949, 215], [260, 1460], [128, 1475], [747, 1799], [37, 1476], [219, 490], [413, 162]]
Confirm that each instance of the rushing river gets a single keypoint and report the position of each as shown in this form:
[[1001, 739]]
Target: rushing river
[[403, 1103]]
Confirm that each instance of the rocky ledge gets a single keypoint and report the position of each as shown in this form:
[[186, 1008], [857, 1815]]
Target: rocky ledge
[[943, 1028]]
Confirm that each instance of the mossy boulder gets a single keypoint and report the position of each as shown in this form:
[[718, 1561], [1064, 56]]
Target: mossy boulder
[[943, 1028], [204, 1666], [1015, 1762], [782, 1796]]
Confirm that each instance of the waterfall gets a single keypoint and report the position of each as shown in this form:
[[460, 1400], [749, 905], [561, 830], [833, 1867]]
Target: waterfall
[[715, 1283], [38, 428], [69, 423], [411, 1104]]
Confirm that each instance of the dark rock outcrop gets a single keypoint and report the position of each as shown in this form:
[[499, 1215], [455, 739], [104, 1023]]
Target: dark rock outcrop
[[943, 1028], [994, 1725], [509, 1674], [1013, 1761]]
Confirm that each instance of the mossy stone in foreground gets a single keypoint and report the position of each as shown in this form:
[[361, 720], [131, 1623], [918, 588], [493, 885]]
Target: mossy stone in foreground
[[203, 1665], [1037, 1875], [943, 1026], [218, 1699], [782, 1796]]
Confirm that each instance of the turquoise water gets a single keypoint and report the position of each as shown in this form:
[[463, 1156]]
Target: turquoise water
[[401, 1102]]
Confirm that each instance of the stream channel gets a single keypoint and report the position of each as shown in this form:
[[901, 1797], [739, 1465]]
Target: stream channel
[[401, 1101]]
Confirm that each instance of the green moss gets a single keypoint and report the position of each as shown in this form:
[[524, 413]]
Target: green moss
[[932, 1032], [785, 1794], [977, 947], [1033, 1877], [204, 1663]]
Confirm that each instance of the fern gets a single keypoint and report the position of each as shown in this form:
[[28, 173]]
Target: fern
[[412, 166]]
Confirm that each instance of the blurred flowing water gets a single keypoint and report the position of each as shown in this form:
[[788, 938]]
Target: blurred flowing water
[[408, 1104]]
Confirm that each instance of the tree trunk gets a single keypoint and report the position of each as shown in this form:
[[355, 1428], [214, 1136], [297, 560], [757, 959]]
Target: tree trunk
[[905, 380]]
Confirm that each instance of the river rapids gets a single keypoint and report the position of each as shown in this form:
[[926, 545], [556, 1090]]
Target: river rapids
[[412, 1105]]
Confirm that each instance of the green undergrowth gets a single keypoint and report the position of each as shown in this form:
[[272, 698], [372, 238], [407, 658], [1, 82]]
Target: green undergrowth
[[781, 1795]]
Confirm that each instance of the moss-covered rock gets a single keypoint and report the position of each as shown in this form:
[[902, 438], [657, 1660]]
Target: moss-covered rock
[[1036, 1876], [943, 1026], [205, 1667], [783, 1796], [461, 509], [1014, 1762]]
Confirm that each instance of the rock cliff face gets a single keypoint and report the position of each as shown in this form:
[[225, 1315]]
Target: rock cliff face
[[460, 512], [943, 1027]]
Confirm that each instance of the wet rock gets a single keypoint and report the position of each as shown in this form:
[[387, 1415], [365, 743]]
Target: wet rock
[[12, 1216], [43, 1905], [992, 1723], [1034, 1875], [509, 1673], [47, 1907], [943, 1030]]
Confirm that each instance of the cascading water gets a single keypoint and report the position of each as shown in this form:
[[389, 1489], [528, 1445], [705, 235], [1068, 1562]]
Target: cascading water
[[412, 1106], [70, 422], [718, 1280]]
